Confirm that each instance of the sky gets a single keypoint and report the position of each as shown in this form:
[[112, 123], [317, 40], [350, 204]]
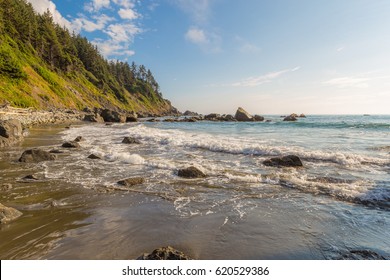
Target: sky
[[267, 56]]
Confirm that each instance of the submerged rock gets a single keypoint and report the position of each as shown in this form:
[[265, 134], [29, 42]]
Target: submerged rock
[[8, 214], [191, 172], [165, 253], [130, 140], [243, 116], [362, 255], [36, 155], [287, 161], [79, 139], [93, 156], [129, 182], [71, 145], [30, 177]]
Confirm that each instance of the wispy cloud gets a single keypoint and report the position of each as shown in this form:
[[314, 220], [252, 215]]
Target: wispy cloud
[[96, 5], [349, 82], [198, 10], [129, 14], [209, 42], [266, 78]]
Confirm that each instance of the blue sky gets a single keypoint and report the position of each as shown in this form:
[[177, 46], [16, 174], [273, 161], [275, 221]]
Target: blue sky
[[268, 56]]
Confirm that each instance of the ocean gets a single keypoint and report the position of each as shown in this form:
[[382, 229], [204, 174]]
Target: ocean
[[339, 201]]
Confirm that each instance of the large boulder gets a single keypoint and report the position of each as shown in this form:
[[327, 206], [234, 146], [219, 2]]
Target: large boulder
[[165, 253], [36, 155], [191, 173], [129, 182], [212, 117], [11, 132], [287, 161], [131, 118], [8, 214], [243, 116], [113, 116], [93, 118]]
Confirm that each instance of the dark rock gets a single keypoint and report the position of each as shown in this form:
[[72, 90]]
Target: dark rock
[[268, 121], [79, 139], [362, 255], [302, 116], [191, 172], [287, 161], [243, 116], [67, 127], [129, 182], [71, 145], [290, 118], [56, 151], [36, 155], [131, 119], [258, 118], [93, 156], [189, 113], [165, 253], [30, 177], [130, 140], [229, 118], [11, 132], [212, 117], [93, 118], [8, 214], [113, 116]]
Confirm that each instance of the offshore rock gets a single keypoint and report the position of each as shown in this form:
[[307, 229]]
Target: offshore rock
[[258, 118], [165, 253], [212, 117], [36, 155], [291, 118], [11, 132], [287, 161], [191, 172], [243, 116], [129, 182], [79, 139], [8, 214], [130, 140]]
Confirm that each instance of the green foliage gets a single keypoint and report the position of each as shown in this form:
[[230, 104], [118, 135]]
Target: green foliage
[[10, 65], [47, 60]]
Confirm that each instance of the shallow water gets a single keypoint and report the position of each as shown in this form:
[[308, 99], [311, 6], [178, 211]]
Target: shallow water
[[339, 200]]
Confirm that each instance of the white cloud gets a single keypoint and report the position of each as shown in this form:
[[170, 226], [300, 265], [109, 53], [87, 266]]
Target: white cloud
[[196, 36], [249, 48], [267, 78], [96, 5], [82, 23], [348, 82], [42, 6], [127, 4], [129, 14], [122, 32], [112, 48]]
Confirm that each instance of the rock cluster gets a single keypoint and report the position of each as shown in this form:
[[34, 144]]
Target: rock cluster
[[165, 253]]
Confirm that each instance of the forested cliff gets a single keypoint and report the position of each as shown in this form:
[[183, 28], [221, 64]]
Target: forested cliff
[[44, 65]]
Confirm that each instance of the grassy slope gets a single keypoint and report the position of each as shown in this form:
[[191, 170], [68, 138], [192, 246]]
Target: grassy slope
[[42, 88]]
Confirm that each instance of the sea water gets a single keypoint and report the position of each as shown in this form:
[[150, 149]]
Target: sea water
[[337, 202]]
